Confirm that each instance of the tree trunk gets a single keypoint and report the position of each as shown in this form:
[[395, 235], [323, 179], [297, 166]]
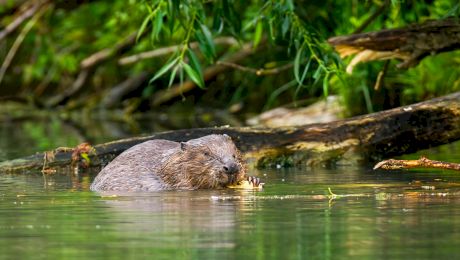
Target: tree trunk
[[383, 134]]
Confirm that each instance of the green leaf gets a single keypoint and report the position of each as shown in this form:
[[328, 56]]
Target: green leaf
[[194, 62], [144, 25], [286, 25], [85, 157], [158, 23], [164, 69], [209, 41], [317, 72], [297, 62], [305, 71], [258, 33], [271, 29], [326, 85], [194, 76], [172, 76]]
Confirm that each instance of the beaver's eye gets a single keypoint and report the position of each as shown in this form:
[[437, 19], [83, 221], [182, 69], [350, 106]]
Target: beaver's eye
[[234, 156], [206, 154]]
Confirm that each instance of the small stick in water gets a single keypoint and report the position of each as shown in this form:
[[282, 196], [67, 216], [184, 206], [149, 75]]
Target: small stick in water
[[423, 162]]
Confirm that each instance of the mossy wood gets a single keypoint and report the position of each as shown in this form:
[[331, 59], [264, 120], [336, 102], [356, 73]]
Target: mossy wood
[[388, 133]]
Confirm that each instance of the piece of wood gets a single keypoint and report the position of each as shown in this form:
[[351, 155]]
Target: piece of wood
[[387, 133], [410, 44], [423, 162]]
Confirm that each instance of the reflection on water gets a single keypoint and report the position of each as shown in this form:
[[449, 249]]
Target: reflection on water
[[375, 214], [368, 214]]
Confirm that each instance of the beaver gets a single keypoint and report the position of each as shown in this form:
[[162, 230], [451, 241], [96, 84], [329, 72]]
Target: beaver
[[208, 162]]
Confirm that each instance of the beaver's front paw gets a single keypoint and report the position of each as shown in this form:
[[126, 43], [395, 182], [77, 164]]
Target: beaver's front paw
[[250, 183]]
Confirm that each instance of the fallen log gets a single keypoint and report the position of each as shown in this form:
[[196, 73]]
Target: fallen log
[[383, 134], [410, 44]]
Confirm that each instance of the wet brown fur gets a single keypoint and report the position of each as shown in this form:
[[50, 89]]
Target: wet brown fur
[[166, 165]]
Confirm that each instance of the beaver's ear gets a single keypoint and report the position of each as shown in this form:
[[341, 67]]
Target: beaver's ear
[[227, 136], [183, 146]]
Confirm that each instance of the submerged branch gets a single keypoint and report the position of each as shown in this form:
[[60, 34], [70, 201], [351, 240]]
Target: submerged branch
[[423, 162]]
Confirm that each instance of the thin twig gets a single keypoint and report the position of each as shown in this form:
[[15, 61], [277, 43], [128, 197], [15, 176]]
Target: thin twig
[[258, 72], [371, 18], [102, 55], [17, 43], [170, 49], [21, 18], [381, 75], [423, 162]]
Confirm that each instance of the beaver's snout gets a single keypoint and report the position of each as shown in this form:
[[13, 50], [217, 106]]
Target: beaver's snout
[[231, 168]]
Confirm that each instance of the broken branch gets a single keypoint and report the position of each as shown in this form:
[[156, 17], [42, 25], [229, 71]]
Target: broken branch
[[423, 162]]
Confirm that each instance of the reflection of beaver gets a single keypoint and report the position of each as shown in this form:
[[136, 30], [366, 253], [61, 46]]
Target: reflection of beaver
[[211, 161]]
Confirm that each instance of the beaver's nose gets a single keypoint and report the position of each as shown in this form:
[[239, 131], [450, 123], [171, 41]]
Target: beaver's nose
[[231, 168]]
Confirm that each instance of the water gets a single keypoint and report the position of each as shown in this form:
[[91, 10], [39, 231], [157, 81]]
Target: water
[[368, 215]]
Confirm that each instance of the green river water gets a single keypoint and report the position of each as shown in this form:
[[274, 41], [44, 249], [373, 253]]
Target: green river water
[[375, 215]]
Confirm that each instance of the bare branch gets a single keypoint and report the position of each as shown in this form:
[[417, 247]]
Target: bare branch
[[170, 49], [102, 55], [21, 18], [17, 43], [258, 72], [371, 18], [423, 162]]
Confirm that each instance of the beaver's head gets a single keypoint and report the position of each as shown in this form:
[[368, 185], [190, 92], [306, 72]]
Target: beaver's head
[[208, 162]]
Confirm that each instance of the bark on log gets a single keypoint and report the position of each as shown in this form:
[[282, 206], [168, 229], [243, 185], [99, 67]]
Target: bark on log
[[411, 43], [388, 133]]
